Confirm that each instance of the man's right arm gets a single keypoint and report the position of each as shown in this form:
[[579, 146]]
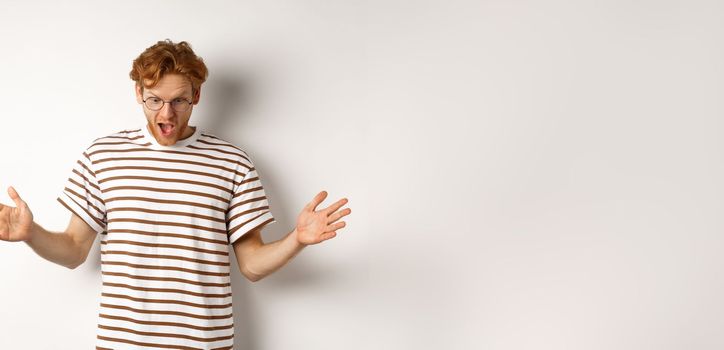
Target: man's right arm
[[69, 248]]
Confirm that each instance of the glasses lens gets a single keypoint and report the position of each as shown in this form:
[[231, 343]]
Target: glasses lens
[[180, 105], [154, 103]]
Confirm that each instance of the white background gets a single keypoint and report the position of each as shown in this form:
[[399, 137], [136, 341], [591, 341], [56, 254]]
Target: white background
[[522, 174]]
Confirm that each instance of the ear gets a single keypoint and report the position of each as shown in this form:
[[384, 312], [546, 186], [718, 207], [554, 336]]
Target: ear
[[197, 95], [139, 94]]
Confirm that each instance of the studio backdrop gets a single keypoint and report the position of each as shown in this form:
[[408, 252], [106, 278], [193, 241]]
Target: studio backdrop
[[522, 174]]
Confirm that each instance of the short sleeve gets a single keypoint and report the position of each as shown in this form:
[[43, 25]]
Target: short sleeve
[[82, 195], [249, 206]]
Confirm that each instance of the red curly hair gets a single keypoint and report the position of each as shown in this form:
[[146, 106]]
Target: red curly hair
[[165, 57]]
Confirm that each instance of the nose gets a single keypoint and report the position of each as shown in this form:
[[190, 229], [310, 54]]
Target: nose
[[166, 110]]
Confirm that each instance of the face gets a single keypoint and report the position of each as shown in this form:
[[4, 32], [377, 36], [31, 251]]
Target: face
[[166, 124]]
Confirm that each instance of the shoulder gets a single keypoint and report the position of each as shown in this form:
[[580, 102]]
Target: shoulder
[[122, 138], [119, 136], [211, 141]]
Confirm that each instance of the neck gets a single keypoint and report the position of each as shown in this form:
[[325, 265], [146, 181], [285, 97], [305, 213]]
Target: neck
[[188, 131]]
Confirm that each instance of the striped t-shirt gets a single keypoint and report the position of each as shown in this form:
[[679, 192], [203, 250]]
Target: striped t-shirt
[[166, 215]]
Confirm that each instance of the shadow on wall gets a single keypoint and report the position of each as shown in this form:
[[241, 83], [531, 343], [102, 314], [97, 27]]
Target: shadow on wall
[[231, 96]]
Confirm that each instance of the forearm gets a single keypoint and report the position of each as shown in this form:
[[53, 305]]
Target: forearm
[[57, 247], [268, 258]]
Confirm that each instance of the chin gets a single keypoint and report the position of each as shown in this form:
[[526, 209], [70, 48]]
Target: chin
[[166, 141]]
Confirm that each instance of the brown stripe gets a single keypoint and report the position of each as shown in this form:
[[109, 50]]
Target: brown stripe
[[173, 246], [121, 143], [99, 222], [262, 224], [165, 279], [217, 150], [100, 348], [86, 180], [129, 150], [246, 181], [123, 137], [164, 190], [245, 202], [154, 200], [179, 347], [167, 290], [166, 212], [170, 170], [158, 256], [172, 268], [208, 165], [164, 223], [150, 178], [250, 190], [163, 312], [164, 234], [166, 301], [167, 335], [80, 196], [251, 179], [214, 137], [231, 232], [83, 198], [218, 144], [86, 168], [87, 192], [170, 324], [224, 142], [245, 213]]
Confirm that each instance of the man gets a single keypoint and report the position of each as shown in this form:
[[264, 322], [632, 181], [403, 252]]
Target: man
[[167, 199]]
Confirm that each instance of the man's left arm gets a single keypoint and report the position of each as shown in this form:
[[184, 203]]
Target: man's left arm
[[257, 260]]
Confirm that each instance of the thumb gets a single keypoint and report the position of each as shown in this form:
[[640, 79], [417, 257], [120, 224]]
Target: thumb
[[15, 197]]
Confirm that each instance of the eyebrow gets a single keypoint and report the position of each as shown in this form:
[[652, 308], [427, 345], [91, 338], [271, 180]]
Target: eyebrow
[[172, 98]]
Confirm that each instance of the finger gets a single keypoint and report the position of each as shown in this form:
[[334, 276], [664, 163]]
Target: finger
[[327, 235], [319, 198], [338, 215], [15, 197], [336, 226], [332, 208]]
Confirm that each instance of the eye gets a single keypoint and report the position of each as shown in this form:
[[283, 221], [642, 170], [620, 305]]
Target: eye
[[180, 100], [154, 100]]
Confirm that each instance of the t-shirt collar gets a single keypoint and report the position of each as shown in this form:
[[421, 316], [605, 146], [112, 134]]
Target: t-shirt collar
[[179, 144]]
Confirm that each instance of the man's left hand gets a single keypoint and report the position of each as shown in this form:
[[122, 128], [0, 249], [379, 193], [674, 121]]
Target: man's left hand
[[318, 226]]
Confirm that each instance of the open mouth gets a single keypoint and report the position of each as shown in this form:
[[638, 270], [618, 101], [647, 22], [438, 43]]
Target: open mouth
[[166, 129]]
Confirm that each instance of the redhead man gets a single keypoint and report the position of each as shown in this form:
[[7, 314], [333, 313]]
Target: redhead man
[[167, 199]]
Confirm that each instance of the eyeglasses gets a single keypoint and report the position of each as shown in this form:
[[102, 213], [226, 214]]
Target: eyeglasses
[[178, 104]]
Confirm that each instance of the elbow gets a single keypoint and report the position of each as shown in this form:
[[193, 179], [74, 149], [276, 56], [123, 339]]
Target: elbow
[[254, 278], [74, 264], [251, 276]]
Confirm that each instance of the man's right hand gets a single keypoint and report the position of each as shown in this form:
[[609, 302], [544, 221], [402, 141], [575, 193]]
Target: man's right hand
[[15, 222]]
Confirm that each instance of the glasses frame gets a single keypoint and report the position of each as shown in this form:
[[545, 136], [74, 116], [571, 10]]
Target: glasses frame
[[164, 102]]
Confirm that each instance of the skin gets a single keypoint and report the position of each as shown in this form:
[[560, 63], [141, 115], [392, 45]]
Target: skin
[[169, 87], [255, 258]]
